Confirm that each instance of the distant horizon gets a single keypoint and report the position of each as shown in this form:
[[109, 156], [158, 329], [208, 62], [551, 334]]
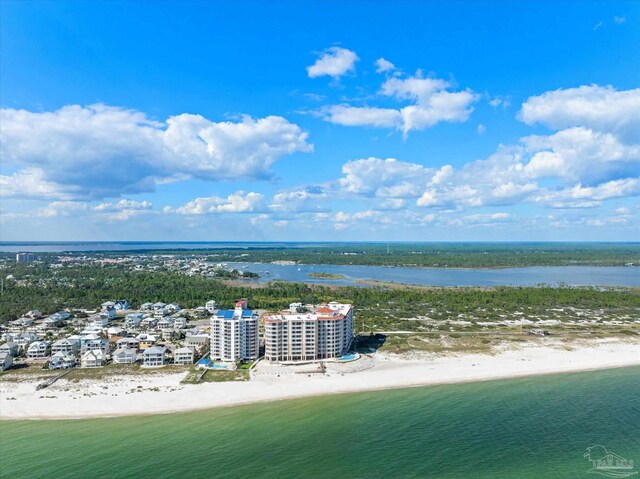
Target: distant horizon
[[46, 247], [15, 242]]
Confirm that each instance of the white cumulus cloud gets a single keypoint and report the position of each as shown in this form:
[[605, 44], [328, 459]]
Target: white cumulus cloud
[[239, 202], [431, 100], [383, 178], [333, 62], [591, 106], [301, 200], [383, 65], [100, 151], [363, 116]]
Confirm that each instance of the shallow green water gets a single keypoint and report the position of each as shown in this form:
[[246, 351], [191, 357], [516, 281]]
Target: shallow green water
[[524, 428]]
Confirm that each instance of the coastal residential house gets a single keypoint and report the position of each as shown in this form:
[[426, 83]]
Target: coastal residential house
[[149, 323], [183, 356], [169, 334], [6, 361], [62, 360], [65, 345], [180, 322], [34, 314], [98, 344], [91, 328], [38, 350], [113, 342], [85, 338], [50, 322], [133, 320], [146, 341], [211, 306], [201, 311], [234, 334], [154, 357], [116, 331], [125, 356], [99, 321], [165, 322], [131, 343], [75, 337], [197, 342], [107, 316], [160, 313], [107, 305], [93, 358], [10, 348], [61, 316], [121, 304], [146, 307], [173, 307], [158, 305], [23, 322]]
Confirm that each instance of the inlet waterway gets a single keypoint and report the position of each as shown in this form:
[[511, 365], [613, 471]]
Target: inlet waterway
[[530, 276]]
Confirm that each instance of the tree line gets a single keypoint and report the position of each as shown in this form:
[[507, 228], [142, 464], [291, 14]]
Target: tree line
[[87, 287]]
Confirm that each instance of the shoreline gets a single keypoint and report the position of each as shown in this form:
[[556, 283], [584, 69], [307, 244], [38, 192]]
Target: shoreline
[[164, 394]]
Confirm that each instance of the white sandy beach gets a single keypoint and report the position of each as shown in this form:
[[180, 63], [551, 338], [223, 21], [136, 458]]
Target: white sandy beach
[[163, 393]]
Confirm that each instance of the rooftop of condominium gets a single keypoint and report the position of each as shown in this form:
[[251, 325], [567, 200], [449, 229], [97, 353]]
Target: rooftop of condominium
[[233, 313], [319, 312]]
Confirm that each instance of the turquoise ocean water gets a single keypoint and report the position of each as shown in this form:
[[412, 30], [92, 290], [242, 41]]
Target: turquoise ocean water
[[519, 428]]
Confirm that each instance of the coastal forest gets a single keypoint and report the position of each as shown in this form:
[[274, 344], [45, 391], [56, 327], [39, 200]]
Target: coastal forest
[[426, 255], [37, 286]]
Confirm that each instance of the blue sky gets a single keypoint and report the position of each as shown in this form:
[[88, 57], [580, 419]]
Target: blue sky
[[320, 121]]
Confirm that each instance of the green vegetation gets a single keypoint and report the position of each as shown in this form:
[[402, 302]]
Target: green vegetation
[[377, 308], [433, 255], [36, 372], [235, 274], [326, 276], [215, 376]]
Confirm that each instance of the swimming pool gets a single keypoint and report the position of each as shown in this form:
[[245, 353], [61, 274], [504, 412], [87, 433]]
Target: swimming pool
[[218, 366], [349, 357]]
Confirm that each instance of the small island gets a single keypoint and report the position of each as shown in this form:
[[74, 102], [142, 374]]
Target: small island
[[326, 276]]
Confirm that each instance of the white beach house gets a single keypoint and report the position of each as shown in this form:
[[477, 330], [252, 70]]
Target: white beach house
[[131, 343], [65, 345], [93, 358], [6, 361], [62, 360], [183, 356], [211, 306], [125, 356], [38, 350], [10, 348], [154, 357]]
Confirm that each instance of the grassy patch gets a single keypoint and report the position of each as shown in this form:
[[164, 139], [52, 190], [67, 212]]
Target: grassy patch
[[215, 376], [326, 276]]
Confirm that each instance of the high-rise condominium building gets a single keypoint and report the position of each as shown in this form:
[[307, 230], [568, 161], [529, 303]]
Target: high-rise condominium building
[[234, 334], [308, 333], [25, 258]]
